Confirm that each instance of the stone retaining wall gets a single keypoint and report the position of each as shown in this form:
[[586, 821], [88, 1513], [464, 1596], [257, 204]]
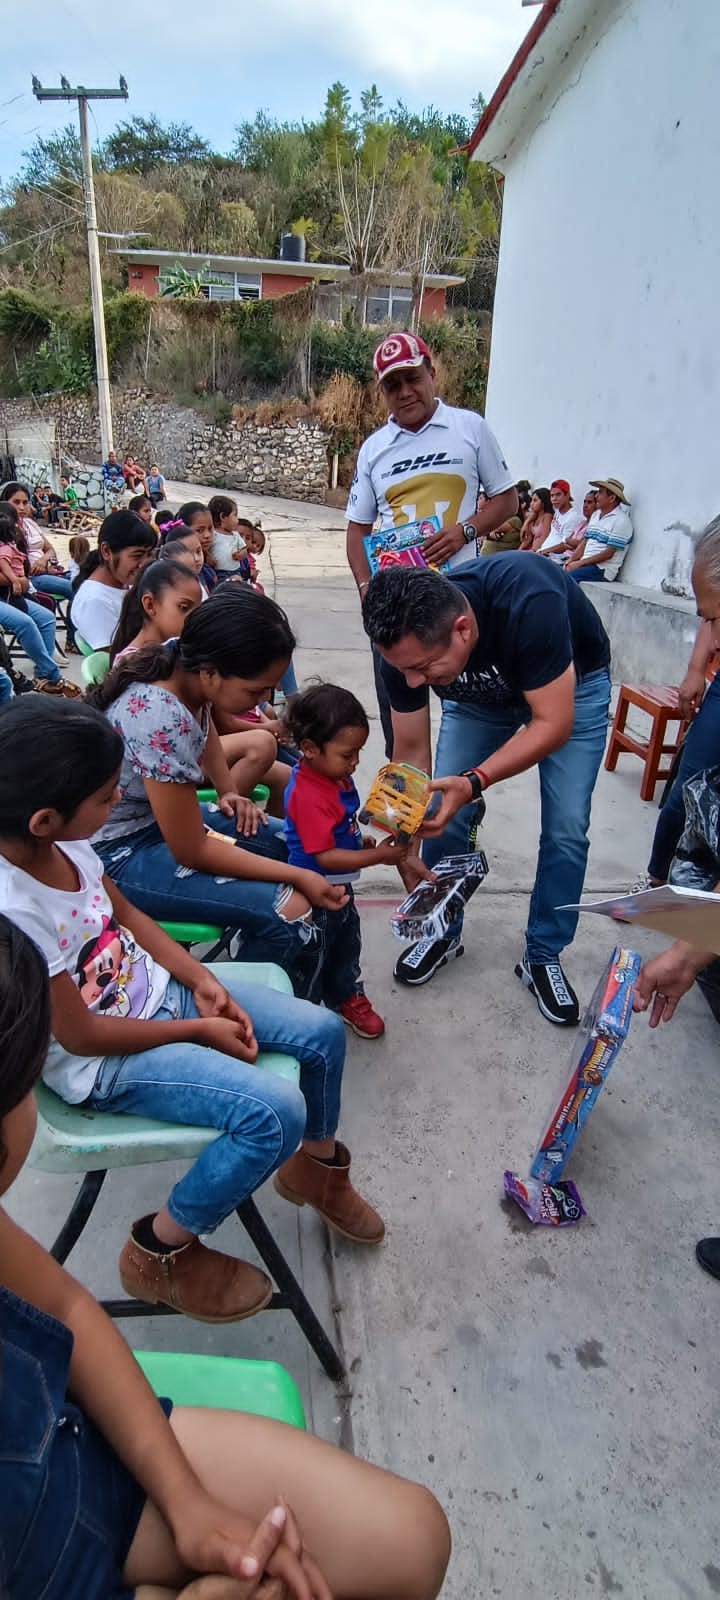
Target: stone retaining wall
[[288, 459]]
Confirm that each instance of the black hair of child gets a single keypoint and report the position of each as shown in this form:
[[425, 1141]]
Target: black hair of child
[[320, 712], [62, 752], [121, 530], [154, 579], [237, 631], [189, 509], [221, 506], [24, 1017]]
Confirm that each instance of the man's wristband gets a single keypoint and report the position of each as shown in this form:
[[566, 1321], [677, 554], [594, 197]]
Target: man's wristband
[[478, 781]]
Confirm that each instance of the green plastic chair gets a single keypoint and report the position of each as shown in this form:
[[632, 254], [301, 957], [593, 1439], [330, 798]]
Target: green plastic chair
[[260, 794], [83, 646], [95, 667], [224, 1383], [76, 1139]]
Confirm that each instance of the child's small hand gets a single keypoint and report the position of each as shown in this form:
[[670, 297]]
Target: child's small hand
[[229, 1037]]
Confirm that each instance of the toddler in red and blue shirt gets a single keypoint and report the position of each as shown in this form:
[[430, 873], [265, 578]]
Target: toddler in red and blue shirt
[[329, 727]]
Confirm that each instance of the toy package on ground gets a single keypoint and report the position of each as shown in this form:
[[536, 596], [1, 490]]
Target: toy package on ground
[[402, 547], [397, 801], [556, 1205], [431, 908], [602, 1031]]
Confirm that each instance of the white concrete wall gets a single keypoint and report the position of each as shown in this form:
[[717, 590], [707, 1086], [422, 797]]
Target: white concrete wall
[[606, 335]]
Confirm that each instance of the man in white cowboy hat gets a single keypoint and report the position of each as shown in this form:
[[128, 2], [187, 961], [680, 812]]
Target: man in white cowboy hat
[[429, 459], [609, 532]]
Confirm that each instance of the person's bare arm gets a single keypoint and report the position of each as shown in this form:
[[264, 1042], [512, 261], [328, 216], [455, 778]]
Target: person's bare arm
[[385, 854], [692, 688], [10, 577], [552, 713], [215, 766], [411, 738], [105, 1380], [593, 561], [489, 516], [177, 813], [357, 559]]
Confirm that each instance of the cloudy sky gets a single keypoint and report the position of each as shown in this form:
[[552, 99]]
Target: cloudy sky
[[214, 63]]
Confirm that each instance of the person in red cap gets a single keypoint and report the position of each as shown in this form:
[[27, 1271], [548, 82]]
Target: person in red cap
[[428, 460], [566, 524]]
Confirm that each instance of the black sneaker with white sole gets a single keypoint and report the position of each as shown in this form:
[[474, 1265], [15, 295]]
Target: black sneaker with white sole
[[422, 960], [556, 999]]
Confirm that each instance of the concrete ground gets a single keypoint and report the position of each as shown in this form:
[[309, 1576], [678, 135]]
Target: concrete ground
[[557, 1390]]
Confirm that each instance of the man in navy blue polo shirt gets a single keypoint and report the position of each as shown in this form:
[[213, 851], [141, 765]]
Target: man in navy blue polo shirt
[[520, 660]]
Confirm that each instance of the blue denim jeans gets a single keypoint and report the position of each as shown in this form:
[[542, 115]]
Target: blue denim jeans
[[700, 750], [147, 872], [6, 688], [469, 734], [260, 1117], [342, 977], [588, 575], [70, 1508], [34, 628], [61, 588]]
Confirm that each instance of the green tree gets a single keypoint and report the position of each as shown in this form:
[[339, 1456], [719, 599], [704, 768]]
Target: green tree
[[55, 160], [144, 143]]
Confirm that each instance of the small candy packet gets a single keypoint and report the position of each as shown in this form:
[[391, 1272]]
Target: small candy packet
[[557, 1205]]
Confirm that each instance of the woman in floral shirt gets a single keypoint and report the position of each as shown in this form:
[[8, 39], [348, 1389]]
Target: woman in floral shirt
[[174, 858]]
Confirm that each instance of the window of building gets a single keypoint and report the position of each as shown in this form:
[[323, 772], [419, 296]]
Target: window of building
[[388, 303]]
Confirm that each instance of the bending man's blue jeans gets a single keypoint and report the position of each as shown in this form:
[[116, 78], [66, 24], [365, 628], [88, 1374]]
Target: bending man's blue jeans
[[260, 1118], [700, 750], [147, 872], [34, 628], [468, 735]]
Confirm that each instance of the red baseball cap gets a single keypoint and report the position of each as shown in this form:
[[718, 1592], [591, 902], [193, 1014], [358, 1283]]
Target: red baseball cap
[[561, 483], [399, 350]]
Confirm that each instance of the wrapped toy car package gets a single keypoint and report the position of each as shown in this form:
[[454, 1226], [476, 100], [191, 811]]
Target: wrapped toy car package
[[602, 1031], [431, 908]]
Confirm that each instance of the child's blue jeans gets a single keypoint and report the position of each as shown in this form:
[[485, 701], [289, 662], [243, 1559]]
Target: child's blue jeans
[[341, 977], [260, 1117]]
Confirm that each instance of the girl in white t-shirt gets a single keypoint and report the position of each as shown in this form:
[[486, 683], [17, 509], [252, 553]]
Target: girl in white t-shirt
[[130, 1008], [124, 544], [101, 1492]]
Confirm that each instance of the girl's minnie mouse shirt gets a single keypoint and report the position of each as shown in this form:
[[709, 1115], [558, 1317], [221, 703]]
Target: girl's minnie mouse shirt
[[78, 933]]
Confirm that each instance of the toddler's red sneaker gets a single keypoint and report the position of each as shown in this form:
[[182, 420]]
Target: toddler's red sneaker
[[358, 1013]]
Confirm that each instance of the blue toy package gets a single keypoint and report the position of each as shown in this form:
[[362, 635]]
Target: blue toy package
[[402, 547], [603, 1029]]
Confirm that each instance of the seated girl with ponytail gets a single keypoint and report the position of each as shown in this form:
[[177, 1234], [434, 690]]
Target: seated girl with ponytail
[[124, 544], [153, 611], [167, 853], [102, 1492]]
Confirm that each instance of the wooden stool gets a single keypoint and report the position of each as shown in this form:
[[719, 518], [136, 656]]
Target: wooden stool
[[660, 703]]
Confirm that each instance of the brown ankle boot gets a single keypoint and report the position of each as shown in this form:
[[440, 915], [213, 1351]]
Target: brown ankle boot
[[201, 1283], [305, 1180]]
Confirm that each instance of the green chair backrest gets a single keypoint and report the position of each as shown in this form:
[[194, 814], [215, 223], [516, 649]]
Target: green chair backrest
[[192, 932], [83, 646], [95, 667], [260, 794], [226, 1383]]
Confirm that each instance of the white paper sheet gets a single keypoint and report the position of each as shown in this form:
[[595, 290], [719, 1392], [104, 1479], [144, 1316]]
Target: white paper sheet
[[689, 914]]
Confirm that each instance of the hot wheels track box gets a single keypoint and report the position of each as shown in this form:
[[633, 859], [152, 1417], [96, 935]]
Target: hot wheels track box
[[603, 1029]]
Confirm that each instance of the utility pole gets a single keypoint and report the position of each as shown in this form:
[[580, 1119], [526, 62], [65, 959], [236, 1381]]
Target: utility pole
[[82, 95]]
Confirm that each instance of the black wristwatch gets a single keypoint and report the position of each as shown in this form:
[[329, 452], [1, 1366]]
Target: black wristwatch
[[469, 532], [475, 781]]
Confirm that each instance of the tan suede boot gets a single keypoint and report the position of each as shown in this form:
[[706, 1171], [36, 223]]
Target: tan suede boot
[[306, 1181], [201, 1283]]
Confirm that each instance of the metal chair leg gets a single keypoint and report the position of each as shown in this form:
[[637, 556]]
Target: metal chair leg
[[79, 1214], [290, 1297]]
